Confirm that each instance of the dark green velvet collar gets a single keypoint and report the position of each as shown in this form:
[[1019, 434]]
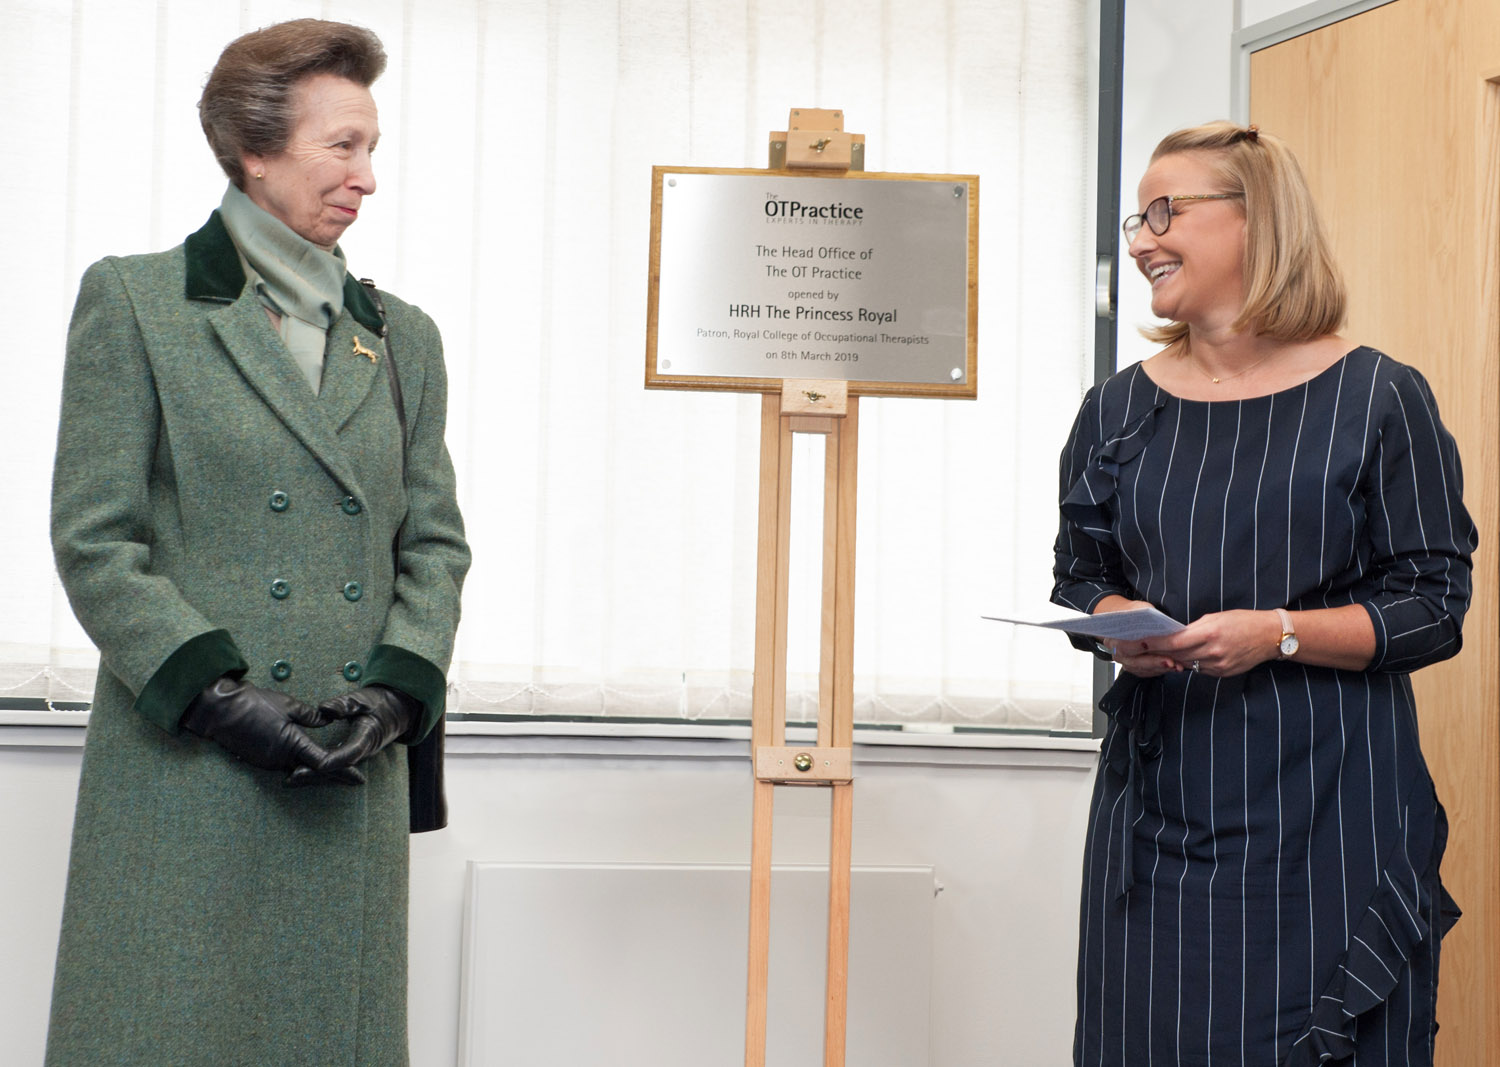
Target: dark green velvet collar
[[214, 273]]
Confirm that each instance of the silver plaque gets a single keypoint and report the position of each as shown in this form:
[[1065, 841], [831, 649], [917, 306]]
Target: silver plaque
[[861, 279]]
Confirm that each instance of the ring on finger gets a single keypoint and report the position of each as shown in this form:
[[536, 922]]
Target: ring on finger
[[1193, 666]]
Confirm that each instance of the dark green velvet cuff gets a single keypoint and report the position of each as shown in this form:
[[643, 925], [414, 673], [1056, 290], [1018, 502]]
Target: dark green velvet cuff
[[413, 675], [196, 663]]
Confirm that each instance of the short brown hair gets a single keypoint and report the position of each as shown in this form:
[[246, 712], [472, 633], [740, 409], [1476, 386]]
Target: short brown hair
[[1293, 288], [247, 101]]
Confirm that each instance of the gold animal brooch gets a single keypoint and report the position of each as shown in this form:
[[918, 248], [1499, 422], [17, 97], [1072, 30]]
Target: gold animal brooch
[[361, 350]]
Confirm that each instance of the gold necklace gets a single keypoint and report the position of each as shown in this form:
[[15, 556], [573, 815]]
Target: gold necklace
[[1227, 377]]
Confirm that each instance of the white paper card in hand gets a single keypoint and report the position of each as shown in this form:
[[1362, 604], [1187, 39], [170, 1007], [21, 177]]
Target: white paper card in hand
[[1135, 624]]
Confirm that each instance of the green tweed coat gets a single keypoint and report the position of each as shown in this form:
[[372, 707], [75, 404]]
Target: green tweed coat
[[211, 514]]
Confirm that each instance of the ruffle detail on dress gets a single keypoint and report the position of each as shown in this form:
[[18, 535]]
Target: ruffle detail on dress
[[1393, 928], [1085, 501]]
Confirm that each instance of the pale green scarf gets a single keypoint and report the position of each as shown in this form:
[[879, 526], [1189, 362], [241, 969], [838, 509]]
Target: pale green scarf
[[293, 277]]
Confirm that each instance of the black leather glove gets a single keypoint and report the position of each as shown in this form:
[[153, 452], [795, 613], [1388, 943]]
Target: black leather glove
[[377, 715], [260, 726]]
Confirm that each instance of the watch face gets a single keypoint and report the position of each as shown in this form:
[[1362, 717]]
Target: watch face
[[1289, 645]]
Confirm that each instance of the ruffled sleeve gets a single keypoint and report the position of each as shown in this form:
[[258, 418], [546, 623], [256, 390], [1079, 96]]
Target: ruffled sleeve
[[1086, 501], [1086, 561]]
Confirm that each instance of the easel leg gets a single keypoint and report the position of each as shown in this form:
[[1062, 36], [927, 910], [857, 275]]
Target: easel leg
[[836, 988], [838, 646], [768, 703], [760, 924]]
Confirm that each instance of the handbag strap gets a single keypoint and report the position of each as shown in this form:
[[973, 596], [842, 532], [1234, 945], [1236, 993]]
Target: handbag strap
[[390, 366]]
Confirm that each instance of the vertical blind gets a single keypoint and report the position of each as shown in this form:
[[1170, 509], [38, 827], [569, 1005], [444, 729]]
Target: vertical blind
[[613, 528]]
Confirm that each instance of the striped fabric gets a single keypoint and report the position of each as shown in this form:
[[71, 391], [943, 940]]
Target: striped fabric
[[1261, 867]]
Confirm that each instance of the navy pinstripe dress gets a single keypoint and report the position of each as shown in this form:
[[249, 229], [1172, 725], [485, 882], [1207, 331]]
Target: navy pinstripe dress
[[1260, 881]]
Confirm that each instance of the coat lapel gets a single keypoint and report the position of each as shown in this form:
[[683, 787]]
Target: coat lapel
[[246, 334], [213, 274]]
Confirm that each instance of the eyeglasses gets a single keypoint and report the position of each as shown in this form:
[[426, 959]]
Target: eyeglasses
[[1158, 213]]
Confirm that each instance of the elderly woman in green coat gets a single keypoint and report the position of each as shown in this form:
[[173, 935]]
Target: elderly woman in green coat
[[255, 521]]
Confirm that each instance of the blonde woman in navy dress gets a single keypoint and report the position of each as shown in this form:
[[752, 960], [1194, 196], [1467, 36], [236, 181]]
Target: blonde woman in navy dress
[[1260, 879]]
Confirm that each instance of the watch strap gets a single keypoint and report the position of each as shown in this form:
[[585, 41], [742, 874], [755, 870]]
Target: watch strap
[[1287, 630]]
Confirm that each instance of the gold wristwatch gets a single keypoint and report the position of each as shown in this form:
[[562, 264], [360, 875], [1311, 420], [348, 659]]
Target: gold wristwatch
[[1288, 644]]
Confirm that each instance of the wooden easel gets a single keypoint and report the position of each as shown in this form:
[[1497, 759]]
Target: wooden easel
[[815, 140], [700, 336]]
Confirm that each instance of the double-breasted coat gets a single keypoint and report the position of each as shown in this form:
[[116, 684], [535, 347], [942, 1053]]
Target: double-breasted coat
[[212, 514]]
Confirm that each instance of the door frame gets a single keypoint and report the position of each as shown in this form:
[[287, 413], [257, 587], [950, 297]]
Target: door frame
[[1250, 39]]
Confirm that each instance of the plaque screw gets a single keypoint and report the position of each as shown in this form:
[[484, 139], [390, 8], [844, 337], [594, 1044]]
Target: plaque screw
[[812, 395], [803, 762]]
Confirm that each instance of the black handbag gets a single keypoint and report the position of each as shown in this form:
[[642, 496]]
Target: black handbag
[[427, 801]]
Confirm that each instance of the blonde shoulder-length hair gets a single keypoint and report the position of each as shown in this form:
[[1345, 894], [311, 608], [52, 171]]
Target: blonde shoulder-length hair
[[1293, 288]]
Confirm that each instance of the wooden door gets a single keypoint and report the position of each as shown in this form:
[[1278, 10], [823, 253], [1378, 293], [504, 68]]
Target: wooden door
[[1395, 115]]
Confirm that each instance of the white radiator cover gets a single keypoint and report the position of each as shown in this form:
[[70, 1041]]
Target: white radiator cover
[[618, 965]]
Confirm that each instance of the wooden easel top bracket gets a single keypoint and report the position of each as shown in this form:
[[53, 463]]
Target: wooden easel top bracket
[[814, 139]]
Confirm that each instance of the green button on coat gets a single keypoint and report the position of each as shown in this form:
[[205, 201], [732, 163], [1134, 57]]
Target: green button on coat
[[350, 505], [353, 591], [352, 671], [280, 589], [280, 501], [281, 670]]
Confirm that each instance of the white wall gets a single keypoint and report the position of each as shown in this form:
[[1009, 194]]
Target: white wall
[[1003, 829], [1253, 11], [38, 789]]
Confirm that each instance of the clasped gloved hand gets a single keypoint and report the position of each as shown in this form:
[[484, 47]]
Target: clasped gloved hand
[[263, 727], [377, 715]]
